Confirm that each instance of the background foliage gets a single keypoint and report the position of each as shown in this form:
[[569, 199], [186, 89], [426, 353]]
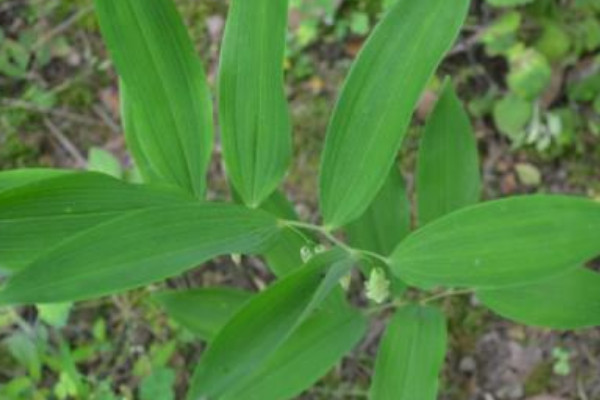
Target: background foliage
[[529, 70]]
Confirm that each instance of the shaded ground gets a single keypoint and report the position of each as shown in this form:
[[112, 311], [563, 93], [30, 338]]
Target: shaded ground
[[489, 358]]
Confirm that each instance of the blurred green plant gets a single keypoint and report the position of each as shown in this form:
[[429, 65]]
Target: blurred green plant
[[547, 45]]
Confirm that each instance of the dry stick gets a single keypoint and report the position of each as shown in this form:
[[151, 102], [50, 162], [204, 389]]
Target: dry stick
[[24, 105], [65, 25], [67, 145]]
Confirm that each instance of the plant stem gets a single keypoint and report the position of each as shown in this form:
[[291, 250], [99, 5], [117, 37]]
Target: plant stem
[[329, 236], [445, 294]]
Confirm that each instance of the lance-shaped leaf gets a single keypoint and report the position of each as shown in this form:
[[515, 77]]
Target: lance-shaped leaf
[[139, 248], [410, 356], [165, 81], [306, 356], [377, 101], [448, 168], [203, 311], [312, 350], [253, 113], [39, 215], [565, 301], [501, 243], [387, 220], [20, 177], [264, 324]]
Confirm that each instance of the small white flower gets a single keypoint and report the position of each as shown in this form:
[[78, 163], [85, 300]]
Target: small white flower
[[306, 254]]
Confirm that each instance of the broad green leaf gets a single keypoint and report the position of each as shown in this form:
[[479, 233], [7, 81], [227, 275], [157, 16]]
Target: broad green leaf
[[100, 160], [448, 168], [203, 311], [501, 243], [37, 216], [410, 356], [377, 101], [264, 324], [20, 177], [166, 84], [253, 113], [139, 248], [565, 301], [387, 220], [318, 344]]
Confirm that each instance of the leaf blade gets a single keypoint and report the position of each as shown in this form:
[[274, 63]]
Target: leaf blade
[[575, 301], [255, 122], [164, 77], [139, 248], [378, 100], [202, 311], [501, 243], [448, 164], [410, 356], [387, 220], [262, 326], [38, 215]]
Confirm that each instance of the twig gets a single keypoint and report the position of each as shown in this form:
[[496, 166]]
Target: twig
[[65, 25], [24, 105], [69, 147], [444, 295], [108, 120]]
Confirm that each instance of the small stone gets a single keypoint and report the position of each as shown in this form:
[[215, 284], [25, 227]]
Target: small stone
[[467, 364]]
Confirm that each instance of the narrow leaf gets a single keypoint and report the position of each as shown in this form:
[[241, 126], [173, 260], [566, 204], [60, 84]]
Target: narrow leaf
[[165, 81], [39, 215], [565, 301], [254, 118], [203, 311], [377, 101], [264, 324], [387, 220], [410, 356], [501, 243], [448, 168], [100, 160], [139, 248]]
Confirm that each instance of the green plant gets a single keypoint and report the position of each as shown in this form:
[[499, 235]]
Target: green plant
[[69, 236], [539, 43]]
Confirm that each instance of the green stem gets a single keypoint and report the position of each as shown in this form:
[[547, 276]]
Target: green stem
[[329, 236], [445, 294]]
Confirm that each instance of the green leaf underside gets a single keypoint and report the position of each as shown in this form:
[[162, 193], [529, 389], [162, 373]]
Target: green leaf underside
[[377, 101], [172, 109], [501, 243], [253, 112], [264, 324], [138, 248], [203, 311], [387, 220], [306, 356], [448, 165], [566, 301], [36, 216], [410, 356], [20, 177]]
